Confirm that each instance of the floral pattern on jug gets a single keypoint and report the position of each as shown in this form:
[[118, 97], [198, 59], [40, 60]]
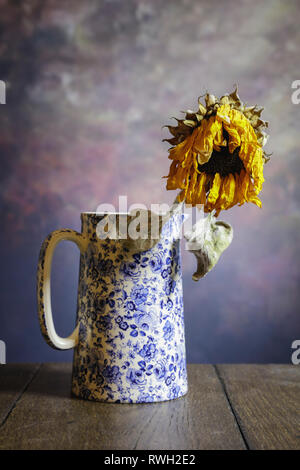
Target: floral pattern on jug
[[131, 342]]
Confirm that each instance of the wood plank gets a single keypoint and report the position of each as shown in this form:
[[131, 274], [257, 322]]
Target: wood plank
[[266, 402], [48, 418], [14, 378]]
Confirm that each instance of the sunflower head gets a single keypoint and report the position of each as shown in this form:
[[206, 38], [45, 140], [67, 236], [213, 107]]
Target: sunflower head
[[217, 153]]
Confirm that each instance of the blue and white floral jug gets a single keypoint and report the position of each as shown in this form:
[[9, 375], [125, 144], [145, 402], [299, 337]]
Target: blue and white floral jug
[[129, 340]]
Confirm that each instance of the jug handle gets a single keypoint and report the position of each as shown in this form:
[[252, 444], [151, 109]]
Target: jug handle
[[43, 287]]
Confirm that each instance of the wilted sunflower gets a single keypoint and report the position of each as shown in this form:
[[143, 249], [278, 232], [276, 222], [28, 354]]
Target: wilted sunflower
[[217, 154]]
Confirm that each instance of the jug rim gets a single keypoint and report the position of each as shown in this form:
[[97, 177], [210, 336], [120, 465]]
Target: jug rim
[[119, 213], [104, 212]]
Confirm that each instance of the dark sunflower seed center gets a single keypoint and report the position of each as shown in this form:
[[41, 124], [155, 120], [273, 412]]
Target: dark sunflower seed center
[[223, 162]]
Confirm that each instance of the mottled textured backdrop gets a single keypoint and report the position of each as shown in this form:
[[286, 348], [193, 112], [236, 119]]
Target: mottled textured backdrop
[[89, 87]]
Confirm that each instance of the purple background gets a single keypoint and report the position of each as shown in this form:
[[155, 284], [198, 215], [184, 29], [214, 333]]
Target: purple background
[[89, 86]]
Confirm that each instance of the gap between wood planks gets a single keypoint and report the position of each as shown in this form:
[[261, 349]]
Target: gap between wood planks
[[21, 393], [223, 385]]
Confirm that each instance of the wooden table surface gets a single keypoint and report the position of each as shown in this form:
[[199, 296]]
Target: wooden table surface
[[227, 407]]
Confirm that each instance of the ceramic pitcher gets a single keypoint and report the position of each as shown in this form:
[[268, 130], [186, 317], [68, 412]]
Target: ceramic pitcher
[[129, 340]]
